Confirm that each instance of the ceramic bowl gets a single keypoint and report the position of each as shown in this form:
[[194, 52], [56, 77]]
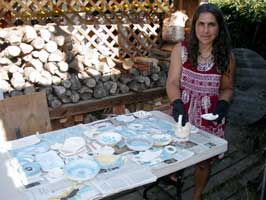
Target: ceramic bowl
[[139, 142], [108, 161], [81, 169]]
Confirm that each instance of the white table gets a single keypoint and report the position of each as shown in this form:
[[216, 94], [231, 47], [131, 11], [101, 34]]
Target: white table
[[207, 147]]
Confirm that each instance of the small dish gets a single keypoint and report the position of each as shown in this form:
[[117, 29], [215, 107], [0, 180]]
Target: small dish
[[142, 114], [161, 139], [210, 116], [109, 138], [194, 129], [139, 143], [31, 169], [81, 169]]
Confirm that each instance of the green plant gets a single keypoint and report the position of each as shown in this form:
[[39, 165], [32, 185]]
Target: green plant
[[250, 10]]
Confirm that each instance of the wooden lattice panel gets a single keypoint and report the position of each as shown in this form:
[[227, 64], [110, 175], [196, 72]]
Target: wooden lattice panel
[[115, 28], [11, 10]]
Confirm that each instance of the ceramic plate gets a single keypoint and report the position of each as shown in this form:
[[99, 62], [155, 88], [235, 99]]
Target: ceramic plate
[[81, 169], [102, 125], [139, 143], [134, 126], [209, 116], [109, 138], [49, 160], [161, 139], [73, 144], [125, 118], [142, 114]]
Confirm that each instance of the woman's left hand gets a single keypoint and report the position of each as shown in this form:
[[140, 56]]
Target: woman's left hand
[[221, 109]]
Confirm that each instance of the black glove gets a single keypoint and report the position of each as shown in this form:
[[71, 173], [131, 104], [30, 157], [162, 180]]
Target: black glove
[[178, 109], [221, 109]]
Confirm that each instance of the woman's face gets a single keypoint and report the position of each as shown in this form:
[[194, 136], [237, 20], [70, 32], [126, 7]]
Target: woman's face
[[207, 28]]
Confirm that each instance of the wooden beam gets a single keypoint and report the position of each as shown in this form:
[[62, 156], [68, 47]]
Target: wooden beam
[[107, 102]]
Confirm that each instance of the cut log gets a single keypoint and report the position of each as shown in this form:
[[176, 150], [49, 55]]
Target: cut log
[[50, 46], [4, 75], [25, 48], [56, 56], [43, 56], [74, 97], [45, 34], [45, 78], [83, 75], [67, 83], [17, 81], [62, 75], [63, 66], [12, 68], [90, 82], [35, 54], [56, 80], [146, 60], [60, 40], [30, 34], [59, 90], [27, 71], [15, 37], [51, 67], [5, 86], [38, 43], [34, 76], [27, 58], [160, 52], [5, 61], [37, 64], [12, 51]]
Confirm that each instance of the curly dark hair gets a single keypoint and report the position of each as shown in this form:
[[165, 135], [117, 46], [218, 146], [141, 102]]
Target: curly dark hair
[[222, 43]]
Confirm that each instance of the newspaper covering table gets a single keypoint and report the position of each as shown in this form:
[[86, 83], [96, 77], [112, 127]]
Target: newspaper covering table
[[136, 168]]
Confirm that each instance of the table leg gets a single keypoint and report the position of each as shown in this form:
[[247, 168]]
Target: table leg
[[179, 184]]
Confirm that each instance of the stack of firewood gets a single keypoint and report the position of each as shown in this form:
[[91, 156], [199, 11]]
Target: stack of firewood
[[43, 58]]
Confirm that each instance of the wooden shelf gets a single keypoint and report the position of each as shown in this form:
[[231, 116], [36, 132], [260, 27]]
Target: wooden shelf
[[108, 102]]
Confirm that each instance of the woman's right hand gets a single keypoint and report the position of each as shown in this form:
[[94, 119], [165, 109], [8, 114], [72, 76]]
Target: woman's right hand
[[178, 109]]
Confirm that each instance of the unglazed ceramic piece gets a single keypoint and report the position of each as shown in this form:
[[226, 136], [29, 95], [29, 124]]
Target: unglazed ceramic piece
[[210, 116], [182, 132], [142, 114], [161, 139]]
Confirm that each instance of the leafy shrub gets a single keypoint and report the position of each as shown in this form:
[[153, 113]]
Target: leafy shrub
[[247, 23]]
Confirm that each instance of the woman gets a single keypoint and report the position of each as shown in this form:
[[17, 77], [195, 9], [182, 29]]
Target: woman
[[200, 79]]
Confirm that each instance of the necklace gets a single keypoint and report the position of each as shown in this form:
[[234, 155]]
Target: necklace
[[205, 63], [205, 59]]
